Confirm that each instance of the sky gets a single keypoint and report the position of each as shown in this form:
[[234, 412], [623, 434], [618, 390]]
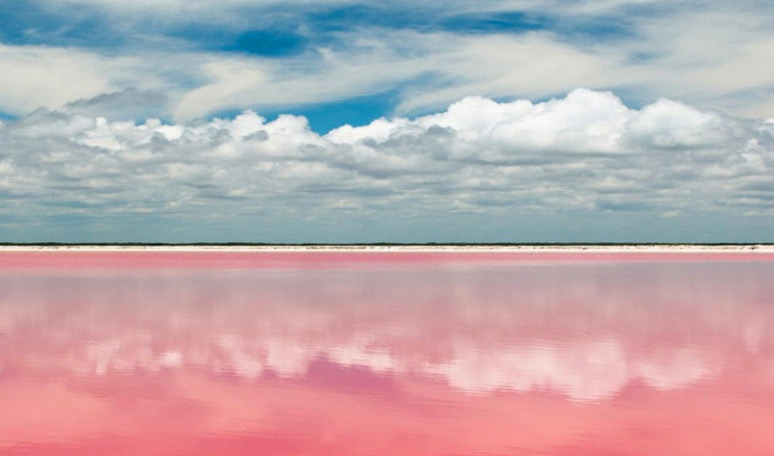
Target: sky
[[390, 121]]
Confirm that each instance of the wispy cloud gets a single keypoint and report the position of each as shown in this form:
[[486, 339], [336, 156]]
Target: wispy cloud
[[717, 60]]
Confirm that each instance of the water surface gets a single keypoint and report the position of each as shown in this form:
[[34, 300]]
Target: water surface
[[383, 354]]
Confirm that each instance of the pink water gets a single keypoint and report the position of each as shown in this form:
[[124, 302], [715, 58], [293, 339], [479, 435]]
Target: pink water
[[386, 354]]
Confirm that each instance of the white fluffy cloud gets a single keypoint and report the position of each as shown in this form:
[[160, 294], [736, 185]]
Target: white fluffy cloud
[[587, 152]]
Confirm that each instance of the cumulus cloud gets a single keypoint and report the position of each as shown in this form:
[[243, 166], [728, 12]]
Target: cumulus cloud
[[587, 152]]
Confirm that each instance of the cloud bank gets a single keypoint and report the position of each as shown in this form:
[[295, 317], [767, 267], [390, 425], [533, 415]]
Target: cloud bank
[[585, 152]]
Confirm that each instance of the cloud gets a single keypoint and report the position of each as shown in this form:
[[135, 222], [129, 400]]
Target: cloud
[[27, 81], [33, 77], [127, 104], [322, 75], [585, 152], [713, 57]]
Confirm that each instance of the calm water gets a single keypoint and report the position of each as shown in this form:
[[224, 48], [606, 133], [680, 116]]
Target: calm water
[[324, 354]]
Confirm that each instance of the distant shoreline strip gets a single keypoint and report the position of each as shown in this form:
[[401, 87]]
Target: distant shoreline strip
[[392, 247]]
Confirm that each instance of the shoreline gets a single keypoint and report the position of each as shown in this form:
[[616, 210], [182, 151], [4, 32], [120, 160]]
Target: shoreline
[[569, 248]]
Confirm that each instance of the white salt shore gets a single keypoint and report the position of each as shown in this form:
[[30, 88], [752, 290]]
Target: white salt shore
[[686, 248]]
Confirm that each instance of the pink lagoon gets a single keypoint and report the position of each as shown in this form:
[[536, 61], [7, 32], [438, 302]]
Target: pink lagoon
[[417, 352]]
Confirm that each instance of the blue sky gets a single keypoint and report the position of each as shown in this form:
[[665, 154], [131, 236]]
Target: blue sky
[[351, 121]]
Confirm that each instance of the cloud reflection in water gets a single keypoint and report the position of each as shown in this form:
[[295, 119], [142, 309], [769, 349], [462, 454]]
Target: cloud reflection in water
[[278, 356]]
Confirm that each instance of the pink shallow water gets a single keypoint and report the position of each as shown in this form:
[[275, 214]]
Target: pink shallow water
[[396, 355], [354, 259]]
